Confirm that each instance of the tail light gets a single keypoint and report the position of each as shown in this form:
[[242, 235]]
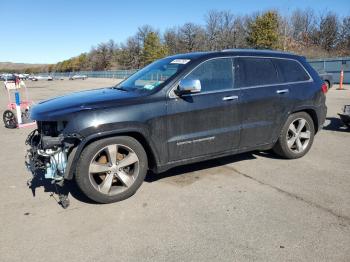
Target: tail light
[[324, 88]]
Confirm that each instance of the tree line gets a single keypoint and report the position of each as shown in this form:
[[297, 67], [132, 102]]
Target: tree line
[[304, 32]]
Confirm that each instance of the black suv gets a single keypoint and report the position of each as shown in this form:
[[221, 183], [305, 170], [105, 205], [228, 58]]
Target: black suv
[[178, 110]]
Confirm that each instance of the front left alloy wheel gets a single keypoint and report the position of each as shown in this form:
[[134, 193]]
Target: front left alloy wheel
[[111, 169]]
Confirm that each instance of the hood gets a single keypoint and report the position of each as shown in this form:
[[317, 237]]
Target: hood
[[57, 108]]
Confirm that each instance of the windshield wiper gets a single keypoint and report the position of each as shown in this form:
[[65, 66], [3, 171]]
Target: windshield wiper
[[120, 88]]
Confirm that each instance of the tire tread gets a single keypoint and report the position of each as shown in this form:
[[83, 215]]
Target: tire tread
[[281, 147], [81, 174]]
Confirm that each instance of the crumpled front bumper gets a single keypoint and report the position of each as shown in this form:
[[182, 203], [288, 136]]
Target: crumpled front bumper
[[46, 155]]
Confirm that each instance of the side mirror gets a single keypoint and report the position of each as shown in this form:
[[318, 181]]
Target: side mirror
[[188, 86]]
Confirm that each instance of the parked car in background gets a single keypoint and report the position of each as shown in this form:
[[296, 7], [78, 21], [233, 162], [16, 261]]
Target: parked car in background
[[327, 78], [37, 78], [8, 77], [178, 110], [30, 77], [23, 76], [58, 78], [75, 77]]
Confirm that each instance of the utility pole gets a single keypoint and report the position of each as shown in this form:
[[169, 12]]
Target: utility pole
[[285, 30], [285, 36], [234, 39]]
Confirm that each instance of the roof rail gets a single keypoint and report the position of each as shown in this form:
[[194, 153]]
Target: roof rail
[[255, 50]]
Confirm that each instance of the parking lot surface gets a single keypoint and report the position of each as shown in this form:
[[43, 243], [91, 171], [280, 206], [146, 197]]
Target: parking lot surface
[[248, 207]]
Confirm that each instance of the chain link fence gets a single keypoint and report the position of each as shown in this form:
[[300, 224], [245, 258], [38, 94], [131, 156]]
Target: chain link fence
[[117, 74], [333, 66]]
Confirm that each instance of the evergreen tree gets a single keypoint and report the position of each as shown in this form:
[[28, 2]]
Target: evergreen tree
[[153, 49], [263, 31]]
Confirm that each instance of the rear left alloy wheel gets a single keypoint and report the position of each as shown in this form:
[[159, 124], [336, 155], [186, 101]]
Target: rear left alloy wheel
[[111, 169], [296, 137]]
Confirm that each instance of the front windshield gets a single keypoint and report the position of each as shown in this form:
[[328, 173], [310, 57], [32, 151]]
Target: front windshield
[[153, 75]]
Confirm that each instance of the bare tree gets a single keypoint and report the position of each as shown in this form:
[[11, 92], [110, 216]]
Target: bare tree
[[329, 30], [227, 30], [100, 57], [241, 30], [130, 54], [220, 30], [212, 20], [192, 37], [344, 37], [172, 41], [142, 33], [303, 22]]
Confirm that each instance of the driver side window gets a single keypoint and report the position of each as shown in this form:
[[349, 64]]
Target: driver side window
[[214, 75]]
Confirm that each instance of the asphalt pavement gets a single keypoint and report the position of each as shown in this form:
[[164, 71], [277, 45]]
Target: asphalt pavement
[[248, 207]]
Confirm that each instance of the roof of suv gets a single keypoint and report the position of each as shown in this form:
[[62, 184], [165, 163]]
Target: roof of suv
[[235, 52]]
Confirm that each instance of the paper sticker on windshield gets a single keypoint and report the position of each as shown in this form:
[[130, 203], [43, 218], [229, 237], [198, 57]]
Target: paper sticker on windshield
[[152, 86], [180, 61], [148, 87]]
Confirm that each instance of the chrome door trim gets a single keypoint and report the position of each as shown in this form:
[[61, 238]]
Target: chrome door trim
[[282, 91], [229, 98], [171, 93]]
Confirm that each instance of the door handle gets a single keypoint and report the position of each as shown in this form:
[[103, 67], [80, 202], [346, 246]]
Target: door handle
[[228, 98], [282, 91]]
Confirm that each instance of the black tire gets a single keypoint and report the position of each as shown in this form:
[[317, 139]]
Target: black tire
[[10, 119], [281, 147], [83, 176]]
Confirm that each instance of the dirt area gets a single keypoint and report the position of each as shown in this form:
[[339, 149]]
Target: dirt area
[[248, 207]]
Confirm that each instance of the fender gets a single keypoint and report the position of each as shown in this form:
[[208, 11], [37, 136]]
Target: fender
[[76, 151], [304, 107], [316, 114], [307, 108]]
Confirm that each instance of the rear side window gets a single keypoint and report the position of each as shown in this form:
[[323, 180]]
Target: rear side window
[[255, 71], [215, 74], [291, 70]]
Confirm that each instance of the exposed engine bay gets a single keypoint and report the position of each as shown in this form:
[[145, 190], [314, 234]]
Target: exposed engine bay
[[48, 152]]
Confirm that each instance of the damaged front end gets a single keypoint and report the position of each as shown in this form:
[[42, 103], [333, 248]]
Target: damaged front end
[[48, 152]]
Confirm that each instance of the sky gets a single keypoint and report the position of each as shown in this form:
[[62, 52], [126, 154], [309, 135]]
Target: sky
[[49, 31]]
